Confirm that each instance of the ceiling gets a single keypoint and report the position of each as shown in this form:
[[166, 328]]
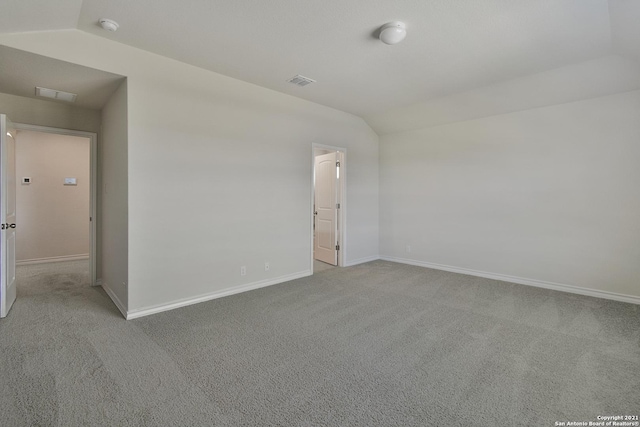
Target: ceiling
[[452, 46], [22, 71]]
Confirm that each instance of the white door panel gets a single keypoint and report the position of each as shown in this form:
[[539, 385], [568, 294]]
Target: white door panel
[[7, 216], [326, 213]]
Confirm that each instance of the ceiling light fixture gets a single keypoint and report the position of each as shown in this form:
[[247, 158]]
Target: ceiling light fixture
[[55, 94], [109, 24], [393, 32]]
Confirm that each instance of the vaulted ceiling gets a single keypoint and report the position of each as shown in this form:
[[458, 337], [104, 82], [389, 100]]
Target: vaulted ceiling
[[452, 46]]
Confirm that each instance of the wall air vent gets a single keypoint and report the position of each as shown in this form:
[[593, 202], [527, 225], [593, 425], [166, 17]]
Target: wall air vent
[[55, 94], [301, 80]]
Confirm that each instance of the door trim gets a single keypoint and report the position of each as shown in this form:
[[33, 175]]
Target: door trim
[[93, 187], [342, 212]]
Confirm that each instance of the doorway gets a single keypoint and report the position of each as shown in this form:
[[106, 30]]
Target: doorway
[[328, 207], [56, 182]]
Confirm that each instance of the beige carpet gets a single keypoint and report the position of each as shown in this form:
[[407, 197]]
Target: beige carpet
[[379, 344]]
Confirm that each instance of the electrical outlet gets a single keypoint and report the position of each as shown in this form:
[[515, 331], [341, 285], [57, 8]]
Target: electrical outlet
[[243, 270], [408, 249], [266, 266]]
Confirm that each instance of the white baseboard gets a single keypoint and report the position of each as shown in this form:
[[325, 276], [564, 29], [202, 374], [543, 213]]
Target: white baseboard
[[114, 298], [361, 260], [141, 312], [521, 280], [53, 259]]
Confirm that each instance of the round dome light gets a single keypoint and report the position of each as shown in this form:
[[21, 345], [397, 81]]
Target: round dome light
[[393, 32]]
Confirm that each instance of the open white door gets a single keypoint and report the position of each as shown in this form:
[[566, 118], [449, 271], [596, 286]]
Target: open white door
[[7, 215], [326, 213]]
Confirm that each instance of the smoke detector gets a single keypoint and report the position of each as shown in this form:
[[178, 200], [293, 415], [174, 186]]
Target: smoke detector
[[301, 80], [109, 24]]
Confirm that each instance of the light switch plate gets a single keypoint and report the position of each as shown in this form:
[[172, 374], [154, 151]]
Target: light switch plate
[[70, 181]]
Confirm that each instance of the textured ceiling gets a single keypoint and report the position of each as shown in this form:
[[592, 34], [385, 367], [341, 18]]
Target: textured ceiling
[[625, 27], [452, 46], [38, 15], [21, 72]]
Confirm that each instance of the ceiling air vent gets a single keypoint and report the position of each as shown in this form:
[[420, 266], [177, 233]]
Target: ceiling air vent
[[301, 80], [55, 94]]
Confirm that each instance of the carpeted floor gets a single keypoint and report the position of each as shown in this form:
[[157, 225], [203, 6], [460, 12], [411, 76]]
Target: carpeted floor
[[319, 266], [379, 344]]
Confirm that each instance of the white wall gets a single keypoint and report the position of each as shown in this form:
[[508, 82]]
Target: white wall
[[113, 206], [48, 113], [549, 194], [220, 177], [53, 217], [219, 173]]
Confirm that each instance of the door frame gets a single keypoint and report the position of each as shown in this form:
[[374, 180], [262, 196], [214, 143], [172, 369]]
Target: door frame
[[93, 186], [342, 212]]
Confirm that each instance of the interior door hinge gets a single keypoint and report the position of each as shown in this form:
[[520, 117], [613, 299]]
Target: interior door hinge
[[337, 205], [337, 247]]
